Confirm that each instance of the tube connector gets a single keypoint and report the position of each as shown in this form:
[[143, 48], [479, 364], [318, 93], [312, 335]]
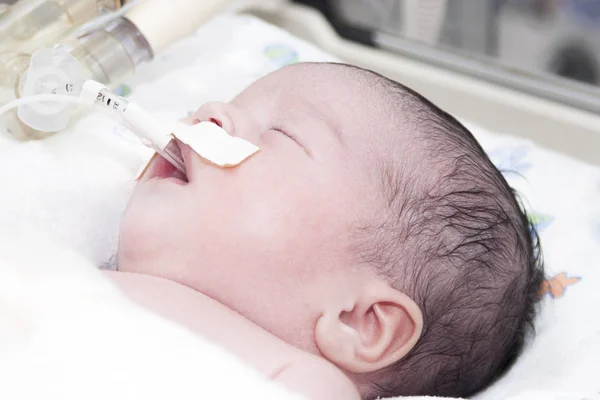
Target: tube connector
[[51, 71]]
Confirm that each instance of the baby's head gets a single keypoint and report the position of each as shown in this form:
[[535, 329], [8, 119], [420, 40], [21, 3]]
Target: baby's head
[[371, 229]]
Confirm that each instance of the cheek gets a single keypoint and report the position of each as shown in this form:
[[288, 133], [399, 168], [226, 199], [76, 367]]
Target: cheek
[[259, 221], [253, 218], [282, 228]]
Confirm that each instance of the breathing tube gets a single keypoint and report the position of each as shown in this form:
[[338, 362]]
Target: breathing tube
[[208, 140]]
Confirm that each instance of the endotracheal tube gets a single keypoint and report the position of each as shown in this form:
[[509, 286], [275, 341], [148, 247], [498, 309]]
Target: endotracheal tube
[[151, 131]]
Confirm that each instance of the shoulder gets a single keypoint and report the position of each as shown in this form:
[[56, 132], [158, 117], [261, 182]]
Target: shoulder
[[317, 379]]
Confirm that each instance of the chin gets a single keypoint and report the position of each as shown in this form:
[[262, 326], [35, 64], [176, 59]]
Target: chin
[[139, 238]]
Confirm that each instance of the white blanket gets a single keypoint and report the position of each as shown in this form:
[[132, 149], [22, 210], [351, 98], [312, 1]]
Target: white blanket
[[75, 186]]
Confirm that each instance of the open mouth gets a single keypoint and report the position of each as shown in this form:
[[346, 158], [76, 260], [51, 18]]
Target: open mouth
[[160, 168], [176, 174]]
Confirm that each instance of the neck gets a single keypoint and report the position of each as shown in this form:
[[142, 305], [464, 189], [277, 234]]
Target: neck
[[206, 317]]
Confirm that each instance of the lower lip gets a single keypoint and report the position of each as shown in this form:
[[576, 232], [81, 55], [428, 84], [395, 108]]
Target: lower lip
[[174, 180]]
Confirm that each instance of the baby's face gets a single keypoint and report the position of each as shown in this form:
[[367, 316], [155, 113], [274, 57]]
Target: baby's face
[[272, 238]]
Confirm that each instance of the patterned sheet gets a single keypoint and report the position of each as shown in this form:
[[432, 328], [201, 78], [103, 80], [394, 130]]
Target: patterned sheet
[[562, 196]]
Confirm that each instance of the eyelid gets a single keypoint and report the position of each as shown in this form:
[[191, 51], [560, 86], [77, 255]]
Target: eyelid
[[292, 137], [280, 130]]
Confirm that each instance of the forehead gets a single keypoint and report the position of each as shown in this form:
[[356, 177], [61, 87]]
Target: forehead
[[348, 99], [367, 117]]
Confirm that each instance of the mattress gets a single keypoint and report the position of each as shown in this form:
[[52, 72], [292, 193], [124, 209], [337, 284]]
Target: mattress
[[76, 184]]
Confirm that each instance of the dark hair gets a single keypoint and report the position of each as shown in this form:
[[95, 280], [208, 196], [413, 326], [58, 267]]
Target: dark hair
[[461, 244]]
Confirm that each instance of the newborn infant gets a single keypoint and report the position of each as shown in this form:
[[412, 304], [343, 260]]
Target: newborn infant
[[370, 247]]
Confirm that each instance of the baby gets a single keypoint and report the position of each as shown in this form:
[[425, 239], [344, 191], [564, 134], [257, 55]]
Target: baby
[[369, 249]]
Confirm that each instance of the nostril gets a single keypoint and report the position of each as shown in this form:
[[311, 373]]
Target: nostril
[[216, 122]]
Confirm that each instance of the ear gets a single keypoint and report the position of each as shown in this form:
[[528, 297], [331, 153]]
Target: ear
[[380, 328]]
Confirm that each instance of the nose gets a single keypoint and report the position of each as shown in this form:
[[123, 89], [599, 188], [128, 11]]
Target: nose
[[219, 113], [236, 121]]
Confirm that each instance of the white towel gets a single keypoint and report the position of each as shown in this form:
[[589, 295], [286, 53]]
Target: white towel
[[74, 186]]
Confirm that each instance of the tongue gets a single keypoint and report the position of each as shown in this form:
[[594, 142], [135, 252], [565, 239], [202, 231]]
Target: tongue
[[175, 173]]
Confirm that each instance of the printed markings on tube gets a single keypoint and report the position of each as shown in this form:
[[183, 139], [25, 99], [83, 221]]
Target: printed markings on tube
[[214, 144]]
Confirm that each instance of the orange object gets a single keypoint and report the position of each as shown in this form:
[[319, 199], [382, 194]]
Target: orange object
[[557, 285]]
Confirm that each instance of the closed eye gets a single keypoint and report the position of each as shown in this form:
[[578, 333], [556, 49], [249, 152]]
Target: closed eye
[[294, 138], [280, 130]]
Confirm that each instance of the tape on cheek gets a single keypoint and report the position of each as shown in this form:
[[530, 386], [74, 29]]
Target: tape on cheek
[[213, 144]]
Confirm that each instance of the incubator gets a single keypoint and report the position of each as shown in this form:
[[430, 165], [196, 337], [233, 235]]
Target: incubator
[[531, 135]]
